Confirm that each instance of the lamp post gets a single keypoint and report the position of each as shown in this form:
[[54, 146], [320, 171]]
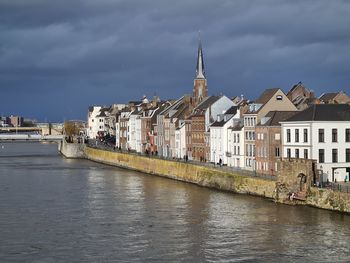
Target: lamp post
[[214, 157]]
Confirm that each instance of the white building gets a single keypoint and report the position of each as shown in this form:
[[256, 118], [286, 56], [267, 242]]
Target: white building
[[134, 130], [235, 145], [219, 131], [96, 121], [322, 133], [180, 140]]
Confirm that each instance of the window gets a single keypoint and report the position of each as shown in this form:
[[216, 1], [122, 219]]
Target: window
[[288, 153], [347, 155], [238, 151], [277, 152], [334, 135], [288, 135], [296, 135], [279, 97], [277, 136], [320, 135], [347, 135], [334, 155], [238, 137], [297, 153], [306, 156], [321, 155], [305, 135]]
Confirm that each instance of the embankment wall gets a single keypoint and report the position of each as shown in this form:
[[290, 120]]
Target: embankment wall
[[201, 175]]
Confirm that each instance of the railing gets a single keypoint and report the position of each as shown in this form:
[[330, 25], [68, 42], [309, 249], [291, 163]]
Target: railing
[[104, 146], [339, 187]]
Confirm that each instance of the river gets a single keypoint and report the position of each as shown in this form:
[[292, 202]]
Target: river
[[57, 210]]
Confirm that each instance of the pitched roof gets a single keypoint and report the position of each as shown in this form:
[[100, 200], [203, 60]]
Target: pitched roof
[[102, 113], [266, 96], [207, 102], [275, 117], [328, 96], [323, 112], [232, 110], [222, 121]]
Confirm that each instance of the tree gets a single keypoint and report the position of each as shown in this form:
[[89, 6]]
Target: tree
[[70, 128]]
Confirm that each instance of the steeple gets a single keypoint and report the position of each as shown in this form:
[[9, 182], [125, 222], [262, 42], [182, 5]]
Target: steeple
[[200, 73], [200, 90]]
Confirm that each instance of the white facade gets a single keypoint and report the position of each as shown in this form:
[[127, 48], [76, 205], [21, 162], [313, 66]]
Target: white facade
[[219, 138], [138, 138], [303, 139], [134, 136], [96, 124], [218, 107], [235, 147], [180, 141]]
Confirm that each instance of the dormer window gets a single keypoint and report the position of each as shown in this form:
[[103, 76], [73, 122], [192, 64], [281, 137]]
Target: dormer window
[[279, 97]]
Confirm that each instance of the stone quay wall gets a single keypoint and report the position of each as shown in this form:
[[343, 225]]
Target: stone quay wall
[[187, 172], [71, 150], [329, 199]]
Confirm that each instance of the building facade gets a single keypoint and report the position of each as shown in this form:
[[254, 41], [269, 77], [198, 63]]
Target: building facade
[[322, 133]]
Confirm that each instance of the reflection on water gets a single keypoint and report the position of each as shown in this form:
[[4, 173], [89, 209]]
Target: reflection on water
[[58, 210]]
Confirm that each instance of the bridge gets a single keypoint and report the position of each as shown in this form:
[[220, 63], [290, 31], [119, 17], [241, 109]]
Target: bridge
[[21, 129], [42, 128], [30, 137]]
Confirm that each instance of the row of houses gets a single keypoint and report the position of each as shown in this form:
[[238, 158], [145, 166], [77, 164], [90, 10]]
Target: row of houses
[[236, 132]]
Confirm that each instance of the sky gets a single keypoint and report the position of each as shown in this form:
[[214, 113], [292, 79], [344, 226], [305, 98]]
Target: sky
[[59, 57]]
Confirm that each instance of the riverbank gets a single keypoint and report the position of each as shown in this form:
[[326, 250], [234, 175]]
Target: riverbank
[[286, 182]]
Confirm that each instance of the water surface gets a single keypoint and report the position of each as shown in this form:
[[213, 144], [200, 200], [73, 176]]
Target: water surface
[[58, 210]]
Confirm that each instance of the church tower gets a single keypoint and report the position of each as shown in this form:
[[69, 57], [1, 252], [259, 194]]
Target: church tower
[[200, 90]]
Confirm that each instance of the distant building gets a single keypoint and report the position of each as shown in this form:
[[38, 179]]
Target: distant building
[[5, 121], [16, 121], [322, 133], [335, 98]]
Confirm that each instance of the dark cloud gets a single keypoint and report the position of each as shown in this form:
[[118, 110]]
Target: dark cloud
[[58, 57]]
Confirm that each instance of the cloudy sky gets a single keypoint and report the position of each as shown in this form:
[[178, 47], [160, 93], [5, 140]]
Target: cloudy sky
[[59, 57]]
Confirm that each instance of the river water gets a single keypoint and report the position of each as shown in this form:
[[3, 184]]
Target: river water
[[58, 210]]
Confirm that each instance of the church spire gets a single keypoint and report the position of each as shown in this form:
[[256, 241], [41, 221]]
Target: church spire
[[200, 73], [200, 90]]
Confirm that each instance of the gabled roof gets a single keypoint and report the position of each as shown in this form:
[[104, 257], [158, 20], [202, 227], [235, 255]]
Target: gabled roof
[[232, 110], [266, 96], [275, 117], [238, 126], [102, 113], [222, 122], [323, 112], [207, 102], [328, 96]]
